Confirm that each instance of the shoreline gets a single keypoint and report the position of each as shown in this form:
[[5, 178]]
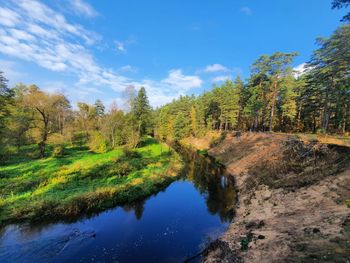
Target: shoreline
[[138, 185], [281, 221]]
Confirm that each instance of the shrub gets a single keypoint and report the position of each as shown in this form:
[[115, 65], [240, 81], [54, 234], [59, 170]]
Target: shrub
[[321, 131], [123, 169], [58, 151], [347, 203], [6, 151], [78, 138], [56, 139], [217, 141], [202, 152], [97, 143], [130, 154]]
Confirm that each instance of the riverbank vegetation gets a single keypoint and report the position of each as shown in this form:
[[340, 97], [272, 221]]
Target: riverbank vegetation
[[58, 162], [82, 181]]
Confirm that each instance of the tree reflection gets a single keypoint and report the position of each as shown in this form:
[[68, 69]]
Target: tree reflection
[[137, 207], [210, 180], [213, 183]]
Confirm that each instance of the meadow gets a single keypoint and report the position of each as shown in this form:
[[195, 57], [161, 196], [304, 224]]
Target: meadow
[[81, 181]]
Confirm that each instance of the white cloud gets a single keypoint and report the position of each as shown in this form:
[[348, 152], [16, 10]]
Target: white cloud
[[34, 11], [299, 70], [246, 10], [8, 17], [159, 93], [221, 78], [55, 87], [177, 80], [21, 35], [82, 8], [165, 90], [45, 37], [120, 46], [10, 70], [128, 68], [214, 68]]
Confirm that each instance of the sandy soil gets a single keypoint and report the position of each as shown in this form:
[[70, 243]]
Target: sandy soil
[[306, 223]]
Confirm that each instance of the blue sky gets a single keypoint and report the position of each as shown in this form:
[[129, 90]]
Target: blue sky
[[95, 49]]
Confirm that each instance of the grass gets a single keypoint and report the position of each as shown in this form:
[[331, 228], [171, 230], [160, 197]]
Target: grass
[[202, 151], [327, 139], [322, 138], [82, 181]]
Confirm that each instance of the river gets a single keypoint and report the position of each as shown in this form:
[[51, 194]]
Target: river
[[170, 226]]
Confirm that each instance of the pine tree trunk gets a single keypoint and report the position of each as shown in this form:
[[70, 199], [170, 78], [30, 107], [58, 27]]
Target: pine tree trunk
[[344, 119], [298, 118], [273, 105], [314, 123], [239, 120]]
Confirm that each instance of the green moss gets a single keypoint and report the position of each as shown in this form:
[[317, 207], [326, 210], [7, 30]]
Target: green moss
[[202, 152], [347, 203], [82, 181]]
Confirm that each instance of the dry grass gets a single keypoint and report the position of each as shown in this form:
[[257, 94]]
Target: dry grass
[[201, 143], [322, 138]]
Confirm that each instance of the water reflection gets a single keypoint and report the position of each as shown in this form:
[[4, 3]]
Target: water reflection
[[137, 207], [170, 226], [210, 179], [213, 182]]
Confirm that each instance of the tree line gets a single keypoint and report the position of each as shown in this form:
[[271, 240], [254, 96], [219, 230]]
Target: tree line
[[29, 115], [273, 98]]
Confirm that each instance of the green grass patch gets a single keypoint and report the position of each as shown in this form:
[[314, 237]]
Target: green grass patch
[[82, 181], [202, 152], [347, 202]]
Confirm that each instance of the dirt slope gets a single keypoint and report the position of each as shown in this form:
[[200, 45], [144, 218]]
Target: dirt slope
[[292, 204]]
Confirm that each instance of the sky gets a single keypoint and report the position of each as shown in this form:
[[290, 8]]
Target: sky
[[92, 50]]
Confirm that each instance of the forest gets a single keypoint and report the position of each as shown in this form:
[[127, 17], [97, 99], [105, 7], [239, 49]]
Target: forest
[[274, 98]]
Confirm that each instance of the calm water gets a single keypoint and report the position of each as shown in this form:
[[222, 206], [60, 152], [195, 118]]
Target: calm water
[[170, 226]]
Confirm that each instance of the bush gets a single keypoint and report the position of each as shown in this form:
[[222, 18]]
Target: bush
[[123, 169], [78, 138], [217, 141], [56, 139], [97, 143], [321, 131], [58, 151], [130, 154]]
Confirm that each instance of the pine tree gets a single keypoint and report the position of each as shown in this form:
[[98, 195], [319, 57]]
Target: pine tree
[[240, 93], [194, 124], [342, 4], [142, 112], [180, 126], [329, 78]]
